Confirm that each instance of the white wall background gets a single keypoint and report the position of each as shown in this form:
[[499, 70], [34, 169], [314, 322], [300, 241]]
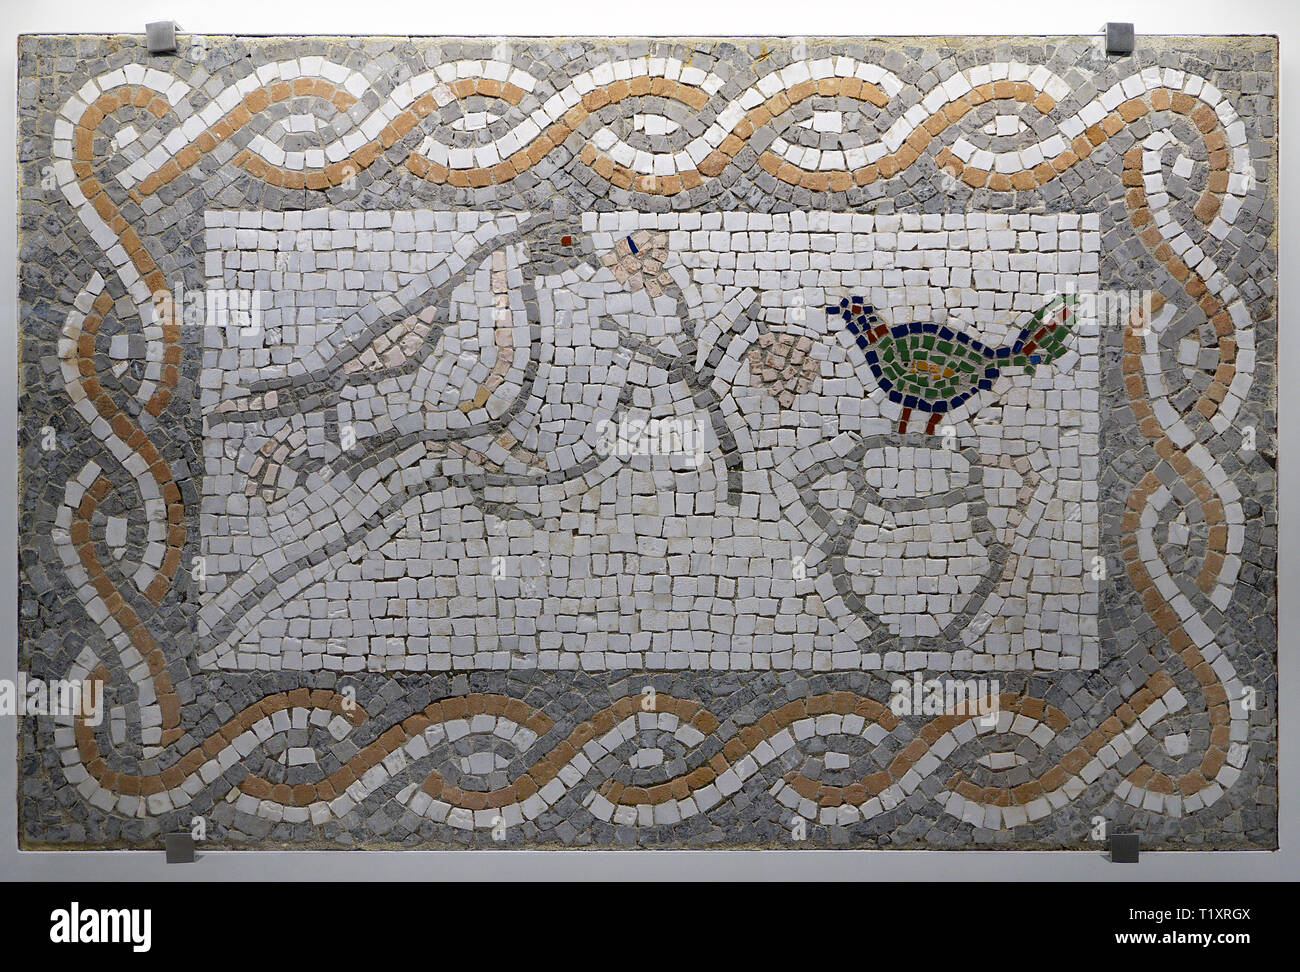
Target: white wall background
[[656, 17]]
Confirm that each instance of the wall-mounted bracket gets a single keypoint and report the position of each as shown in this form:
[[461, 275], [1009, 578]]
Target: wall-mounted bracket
[[180, 848], [1123, 848], [1119, 38], [160, 37]]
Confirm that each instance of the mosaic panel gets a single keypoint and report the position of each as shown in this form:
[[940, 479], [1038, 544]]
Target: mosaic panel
[[652, 443]]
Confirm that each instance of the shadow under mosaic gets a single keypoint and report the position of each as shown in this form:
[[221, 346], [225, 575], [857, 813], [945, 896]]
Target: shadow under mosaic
[[648, 443]]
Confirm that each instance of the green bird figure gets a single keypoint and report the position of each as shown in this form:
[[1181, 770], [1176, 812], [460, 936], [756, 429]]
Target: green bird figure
[[935, 368]]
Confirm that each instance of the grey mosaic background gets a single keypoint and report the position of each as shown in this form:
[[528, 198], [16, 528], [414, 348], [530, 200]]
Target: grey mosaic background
[[425, 312]]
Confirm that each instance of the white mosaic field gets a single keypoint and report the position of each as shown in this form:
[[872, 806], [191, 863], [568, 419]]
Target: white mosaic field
[[647, 563]]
